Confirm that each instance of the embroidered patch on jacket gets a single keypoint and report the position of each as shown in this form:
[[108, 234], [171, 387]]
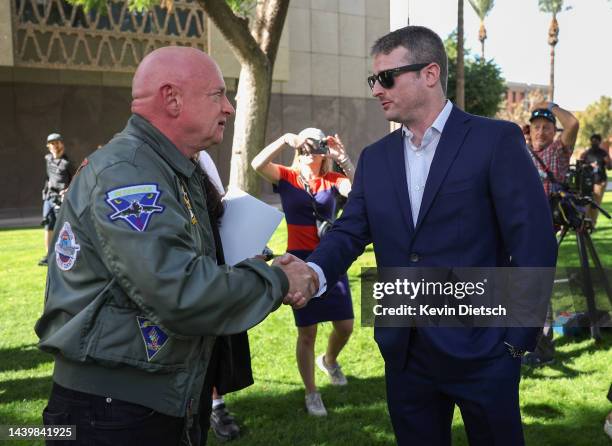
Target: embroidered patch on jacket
[[66, 248], [153, 336], [134, 204]]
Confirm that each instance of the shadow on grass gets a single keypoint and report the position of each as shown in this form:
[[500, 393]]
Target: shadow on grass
[[23, 357], [25, 389], [357, 416], [582, 426]]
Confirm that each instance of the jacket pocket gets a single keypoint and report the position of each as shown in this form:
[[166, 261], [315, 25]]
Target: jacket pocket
[[124, 336], [456, 187]]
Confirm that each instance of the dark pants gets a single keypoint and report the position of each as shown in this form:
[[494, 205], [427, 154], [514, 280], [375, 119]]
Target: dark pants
[[422, 397], [102, 421]]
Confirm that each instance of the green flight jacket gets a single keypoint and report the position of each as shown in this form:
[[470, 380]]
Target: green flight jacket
[[134, 295]]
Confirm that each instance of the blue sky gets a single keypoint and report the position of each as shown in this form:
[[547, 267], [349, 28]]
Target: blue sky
[[517, 41]]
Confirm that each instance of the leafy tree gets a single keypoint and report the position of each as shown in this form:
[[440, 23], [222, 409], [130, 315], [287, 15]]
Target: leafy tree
[[484, 84], [597, 118], [253, 29], [482, 9]]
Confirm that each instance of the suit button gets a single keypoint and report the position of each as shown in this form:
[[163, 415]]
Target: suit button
[[414, 257]]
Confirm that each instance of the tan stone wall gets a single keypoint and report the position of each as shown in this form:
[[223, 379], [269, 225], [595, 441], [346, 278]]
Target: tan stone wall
[[6, 34], [320, 80], [90, 115], [329, 44]]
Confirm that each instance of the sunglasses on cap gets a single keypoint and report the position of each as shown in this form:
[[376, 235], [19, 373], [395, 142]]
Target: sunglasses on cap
[[386, 78]]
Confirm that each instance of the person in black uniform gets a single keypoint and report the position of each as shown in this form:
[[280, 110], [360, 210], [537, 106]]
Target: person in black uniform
[[599, 159], [59, 173]]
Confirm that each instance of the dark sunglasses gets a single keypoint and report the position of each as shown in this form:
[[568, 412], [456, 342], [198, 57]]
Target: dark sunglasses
[[386, 78]]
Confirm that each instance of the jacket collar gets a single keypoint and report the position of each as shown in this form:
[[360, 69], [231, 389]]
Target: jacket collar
[[451, 141], [144, 130]]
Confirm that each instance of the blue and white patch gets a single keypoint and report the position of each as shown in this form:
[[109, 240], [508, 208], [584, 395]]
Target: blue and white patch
[[154, 337], [66, 248], [135, 204]]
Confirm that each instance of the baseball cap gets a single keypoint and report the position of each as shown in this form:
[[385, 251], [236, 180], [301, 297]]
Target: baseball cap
[[312, 133], [543, 113], [54, 137]]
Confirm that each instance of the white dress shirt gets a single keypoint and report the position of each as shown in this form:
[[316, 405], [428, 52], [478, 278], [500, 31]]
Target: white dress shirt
[[418, 162], [418, 158]]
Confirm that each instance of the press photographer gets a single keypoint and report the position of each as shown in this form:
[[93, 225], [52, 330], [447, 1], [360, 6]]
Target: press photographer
[[551, 157], [307, 189]]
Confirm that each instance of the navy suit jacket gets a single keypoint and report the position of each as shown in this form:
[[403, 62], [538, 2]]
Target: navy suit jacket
[[483, 206]]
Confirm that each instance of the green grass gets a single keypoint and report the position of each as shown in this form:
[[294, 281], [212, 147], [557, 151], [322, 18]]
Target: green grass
[[564, 404]]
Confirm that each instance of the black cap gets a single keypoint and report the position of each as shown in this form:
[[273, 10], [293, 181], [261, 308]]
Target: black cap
[[543, 113]]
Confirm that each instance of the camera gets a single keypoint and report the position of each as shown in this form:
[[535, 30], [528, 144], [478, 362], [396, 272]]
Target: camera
[[320, 147], [568, 203], [580, 178]]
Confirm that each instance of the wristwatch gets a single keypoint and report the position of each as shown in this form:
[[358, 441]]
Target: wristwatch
[[550, 106], [514, 352]]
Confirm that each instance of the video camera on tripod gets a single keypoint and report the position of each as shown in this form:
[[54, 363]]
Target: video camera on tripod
[[568, 203], [569, 199]]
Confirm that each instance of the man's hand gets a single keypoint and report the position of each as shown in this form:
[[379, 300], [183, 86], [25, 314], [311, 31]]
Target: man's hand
[[303, 281]]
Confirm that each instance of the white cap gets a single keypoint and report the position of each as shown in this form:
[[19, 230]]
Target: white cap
[[54, 137], [312, 133]]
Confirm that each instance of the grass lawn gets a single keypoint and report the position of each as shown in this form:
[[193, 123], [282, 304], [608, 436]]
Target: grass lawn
[[564, 404]]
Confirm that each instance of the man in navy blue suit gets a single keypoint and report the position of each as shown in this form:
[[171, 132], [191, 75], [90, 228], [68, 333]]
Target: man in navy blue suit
[[447, 189]]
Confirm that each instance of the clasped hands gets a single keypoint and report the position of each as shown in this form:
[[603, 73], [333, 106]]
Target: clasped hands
[[303, 281]]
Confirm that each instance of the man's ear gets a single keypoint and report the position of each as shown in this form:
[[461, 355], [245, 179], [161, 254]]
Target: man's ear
[[432, 74], [172, 99]]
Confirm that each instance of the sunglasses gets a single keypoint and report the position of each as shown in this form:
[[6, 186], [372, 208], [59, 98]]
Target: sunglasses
[[386, 78]]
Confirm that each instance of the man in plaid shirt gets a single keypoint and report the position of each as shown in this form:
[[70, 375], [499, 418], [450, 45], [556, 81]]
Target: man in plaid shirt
[[550, 155], [554, 153]]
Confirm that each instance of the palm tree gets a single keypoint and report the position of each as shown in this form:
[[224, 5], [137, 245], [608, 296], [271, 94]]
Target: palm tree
[[482, 8], [553, 7], [460, 91]]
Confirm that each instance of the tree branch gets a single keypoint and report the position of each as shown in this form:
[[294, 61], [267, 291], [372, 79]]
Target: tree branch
[[235, 30]]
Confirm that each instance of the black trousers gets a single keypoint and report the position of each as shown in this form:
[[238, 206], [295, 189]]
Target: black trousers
[[102, 421]]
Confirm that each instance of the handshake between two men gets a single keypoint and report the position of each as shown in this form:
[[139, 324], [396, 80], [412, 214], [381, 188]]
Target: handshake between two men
[[303, 280]]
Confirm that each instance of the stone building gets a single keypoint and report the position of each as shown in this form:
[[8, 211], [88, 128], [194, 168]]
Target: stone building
[[65, 70]]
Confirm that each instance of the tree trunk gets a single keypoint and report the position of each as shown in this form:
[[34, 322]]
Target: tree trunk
[[460, 92], [253, 95], [482, 36], [551, 84], [553, 39], [255, 49]]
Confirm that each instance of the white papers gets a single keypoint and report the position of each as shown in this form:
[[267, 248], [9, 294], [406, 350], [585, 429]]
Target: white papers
[[246, 225]]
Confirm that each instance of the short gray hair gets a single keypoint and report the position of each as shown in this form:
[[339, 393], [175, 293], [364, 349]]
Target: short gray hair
[[423, 44]]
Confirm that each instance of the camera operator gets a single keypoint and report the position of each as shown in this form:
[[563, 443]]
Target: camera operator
[[307, 191], [551, 157], [59, 174], [599, 160], [554, 154]]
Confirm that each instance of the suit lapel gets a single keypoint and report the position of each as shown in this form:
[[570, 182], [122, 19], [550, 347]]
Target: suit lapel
[[452, 138], [397, 168]]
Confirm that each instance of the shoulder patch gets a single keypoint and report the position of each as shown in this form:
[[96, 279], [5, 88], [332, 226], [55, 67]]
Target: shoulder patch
[[66, 248], [134, 204], [154, 337]]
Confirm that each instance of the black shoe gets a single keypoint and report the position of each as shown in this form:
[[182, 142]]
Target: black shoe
[[223, 424], [43, 261], [533, 360]]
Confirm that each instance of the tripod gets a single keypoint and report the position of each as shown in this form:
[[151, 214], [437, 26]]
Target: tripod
[[583, 227]]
